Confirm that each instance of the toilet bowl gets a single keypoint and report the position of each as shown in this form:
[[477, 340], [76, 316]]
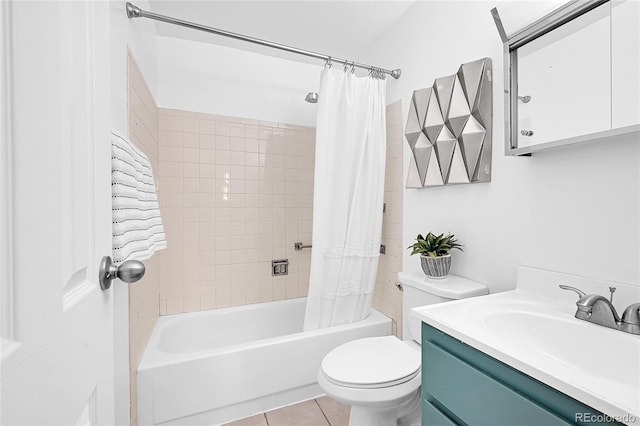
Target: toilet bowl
[[380, 377]]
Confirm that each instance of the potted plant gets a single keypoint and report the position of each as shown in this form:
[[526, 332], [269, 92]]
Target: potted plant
[[434, 253]]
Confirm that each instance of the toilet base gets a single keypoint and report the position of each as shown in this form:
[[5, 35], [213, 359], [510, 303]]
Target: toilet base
[[406, 414]]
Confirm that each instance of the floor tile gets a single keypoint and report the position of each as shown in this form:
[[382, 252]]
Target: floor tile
[[257, 420], [305, 413], [335, 412]]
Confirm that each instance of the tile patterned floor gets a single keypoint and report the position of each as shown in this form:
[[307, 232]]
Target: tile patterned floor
[[322, 411]]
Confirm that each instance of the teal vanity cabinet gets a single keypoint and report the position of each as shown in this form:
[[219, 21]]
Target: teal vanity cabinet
[[463, 386]]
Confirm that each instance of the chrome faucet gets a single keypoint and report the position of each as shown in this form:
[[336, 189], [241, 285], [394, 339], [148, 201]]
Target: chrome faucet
[[599, 310], [631, 319]]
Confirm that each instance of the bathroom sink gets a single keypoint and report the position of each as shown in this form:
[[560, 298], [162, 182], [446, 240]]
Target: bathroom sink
[[533, 329], [570, 343]]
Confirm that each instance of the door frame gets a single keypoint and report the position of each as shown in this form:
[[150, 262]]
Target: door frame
[[6, 198]]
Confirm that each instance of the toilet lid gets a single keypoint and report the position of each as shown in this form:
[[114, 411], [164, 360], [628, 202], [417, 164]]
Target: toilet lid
[[371, 363]]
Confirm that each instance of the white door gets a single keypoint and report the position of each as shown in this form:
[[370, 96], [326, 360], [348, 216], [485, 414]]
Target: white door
[[57, 352]]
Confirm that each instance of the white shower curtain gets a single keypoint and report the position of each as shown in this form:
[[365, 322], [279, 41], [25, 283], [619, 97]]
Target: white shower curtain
[[348, 198]]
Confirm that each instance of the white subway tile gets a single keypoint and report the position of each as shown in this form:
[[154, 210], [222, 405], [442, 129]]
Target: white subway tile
[[236, 144], [191, 155], [191, 140], [207, 141], [222, 143], [191, 170], [222, 128], [237, 158], [207, 127]]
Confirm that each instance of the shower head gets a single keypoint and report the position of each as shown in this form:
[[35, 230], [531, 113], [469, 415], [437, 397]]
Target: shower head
[[312, 97]]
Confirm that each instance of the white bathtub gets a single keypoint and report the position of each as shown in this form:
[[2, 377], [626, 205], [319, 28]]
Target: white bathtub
[[219, 365]]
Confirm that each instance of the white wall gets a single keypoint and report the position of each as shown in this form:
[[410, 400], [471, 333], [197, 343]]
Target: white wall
[[139, 36], [574, 209], [203, 77]]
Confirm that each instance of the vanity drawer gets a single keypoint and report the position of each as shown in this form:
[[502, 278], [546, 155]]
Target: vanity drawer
[[476, 398], [468, 386], [432, 416]]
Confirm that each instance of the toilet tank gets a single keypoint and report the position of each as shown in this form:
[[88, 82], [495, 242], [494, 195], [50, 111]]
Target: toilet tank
[[418, 290]]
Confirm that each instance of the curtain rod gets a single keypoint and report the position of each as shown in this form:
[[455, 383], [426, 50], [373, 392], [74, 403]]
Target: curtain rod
[[135, 12]]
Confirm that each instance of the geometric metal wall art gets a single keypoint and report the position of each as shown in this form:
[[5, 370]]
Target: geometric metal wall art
[[449, 128]]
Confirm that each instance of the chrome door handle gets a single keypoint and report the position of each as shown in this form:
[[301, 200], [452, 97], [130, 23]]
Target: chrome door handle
[[129, 271]]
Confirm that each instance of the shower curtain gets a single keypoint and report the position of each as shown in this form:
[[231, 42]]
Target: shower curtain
[[348, 198]]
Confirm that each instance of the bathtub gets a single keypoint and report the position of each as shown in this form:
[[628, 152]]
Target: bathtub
[[215, 366]]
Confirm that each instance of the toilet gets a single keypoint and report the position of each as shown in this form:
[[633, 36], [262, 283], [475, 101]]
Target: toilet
[[379, 377]]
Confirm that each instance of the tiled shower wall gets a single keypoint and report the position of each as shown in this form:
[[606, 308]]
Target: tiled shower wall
[[144, 294], [387, 298], [235, 195]]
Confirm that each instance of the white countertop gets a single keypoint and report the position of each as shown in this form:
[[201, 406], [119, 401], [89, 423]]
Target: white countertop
[[536, 333]]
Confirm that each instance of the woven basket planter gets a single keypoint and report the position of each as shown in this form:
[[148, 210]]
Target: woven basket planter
[[436, 267]]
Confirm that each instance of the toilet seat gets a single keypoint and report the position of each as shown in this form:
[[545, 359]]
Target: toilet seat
[[371, 363]]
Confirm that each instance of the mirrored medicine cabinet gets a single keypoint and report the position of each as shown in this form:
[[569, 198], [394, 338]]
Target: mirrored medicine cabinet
[[572, 76]]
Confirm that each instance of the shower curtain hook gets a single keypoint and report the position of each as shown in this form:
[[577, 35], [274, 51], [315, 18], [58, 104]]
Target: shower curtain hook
[[328, 62], [353, 67]]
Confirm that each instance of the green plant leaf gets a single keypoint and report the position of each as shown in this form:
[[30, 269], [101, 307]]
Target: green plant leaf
[[434, 245]]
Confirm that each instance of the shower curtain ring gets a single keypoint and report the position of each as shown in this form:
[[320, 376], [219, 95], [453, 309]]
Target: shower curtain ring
[[328, 62], [353, 67]]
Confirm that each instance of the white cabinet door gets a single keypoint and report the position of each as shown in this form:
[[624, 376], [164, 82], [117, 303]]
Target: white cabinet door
[[625, 62], [57, 354], [566, 74]]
